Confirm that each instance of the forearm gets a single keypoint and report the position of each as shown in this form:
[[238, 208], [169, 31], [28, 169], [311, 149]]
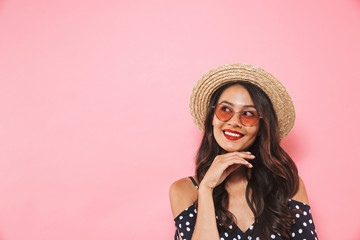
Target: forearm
[[206, 227]]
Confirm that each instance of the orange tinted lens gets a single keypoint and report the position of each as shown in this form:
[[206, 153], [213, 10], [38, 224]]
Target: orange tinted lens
[[249, 118], [223, 112]]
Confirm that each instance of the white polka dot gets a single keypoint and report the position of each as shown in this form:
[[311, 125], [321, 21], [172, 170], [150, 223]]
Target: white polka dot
[[181, 217], [187, 223], [222, 239], [305, 224], [239, 237], [234, 238], [188, 229], [186, 209], [195, 211], [315, 238], [257, 238], [273, 236], [191, 215], [300, 230], [293, 234], [226, 234], [297, 215], [249, 237], [251, 227], [310, 221], [230, 227], [182, 234], [312, 232], [297, 207], [309, 211], [305, 213], [180, 225]]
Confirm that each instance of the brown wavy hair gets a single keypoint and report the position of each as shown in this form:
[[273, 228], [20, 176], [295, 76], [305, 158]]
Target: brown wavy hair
[[274, 176]]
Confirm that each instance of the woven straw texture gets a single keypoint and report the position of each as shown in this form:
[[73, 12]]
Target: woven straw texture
[[221, 75]]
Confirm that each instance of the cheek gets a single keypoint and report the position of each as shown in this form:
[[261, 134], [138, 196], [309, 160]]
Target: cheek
[[217, 125], [254, 136]]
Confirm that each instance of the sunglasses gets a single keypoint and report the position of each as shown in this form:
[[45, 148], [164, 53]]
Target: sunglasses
[[247, 118]]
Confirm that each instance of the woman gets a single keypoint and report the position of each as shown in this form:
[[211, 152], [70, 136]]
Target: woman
[[246, 186]]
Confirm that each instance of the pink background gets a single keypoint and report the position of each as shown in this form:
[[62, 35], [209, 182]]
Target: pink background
[[94, 97]]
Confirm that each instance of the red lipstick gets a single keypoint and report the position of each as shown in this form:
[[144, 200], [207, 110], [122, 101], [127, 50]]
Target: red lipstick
[[232, 135]]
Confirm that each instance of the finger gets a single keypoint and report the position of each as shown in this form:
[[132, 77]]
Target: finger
[[248, 155], [238, 161], [247, 158], [227, 157]]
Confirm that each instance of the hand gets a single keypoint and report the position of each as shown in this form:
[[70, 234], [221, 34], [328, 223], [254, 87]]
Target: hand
[[223, 165]]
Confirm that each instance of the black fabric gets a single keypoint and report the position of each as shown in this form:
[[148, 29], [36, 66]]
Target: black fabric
[[194, 182], [303, 228]]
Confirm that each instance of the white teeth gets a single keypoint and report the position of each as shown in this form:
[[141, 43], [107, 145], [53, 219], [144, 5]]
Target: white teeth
[[232, 134]]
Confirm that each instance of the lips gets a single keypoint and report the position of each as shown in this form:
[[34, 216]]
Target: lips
[[232, 135]]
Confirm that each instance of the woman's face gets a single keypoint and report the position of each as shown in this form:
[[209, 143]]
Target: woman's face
[[231, 135]]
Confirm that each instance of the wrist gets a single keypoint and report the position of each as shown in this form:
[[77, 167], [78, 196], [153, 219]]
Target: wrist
[[203, 188]]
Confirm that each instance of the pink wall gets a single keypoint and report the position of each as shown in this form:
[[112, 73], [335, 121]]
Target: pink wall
[[95, 124]]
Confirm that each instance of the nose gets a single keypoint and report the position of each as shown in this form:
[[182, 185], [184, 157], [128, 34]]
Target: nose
[[235, 120]]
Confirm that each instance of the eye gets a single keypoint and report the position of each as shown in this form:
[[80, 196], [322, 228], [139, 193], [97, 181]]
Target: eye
[[225, 109], [249, 114]]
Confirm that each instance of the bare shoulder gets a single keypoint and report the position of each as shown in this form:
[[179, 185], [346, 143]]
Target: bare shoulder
[[301, 194], [182, 194]]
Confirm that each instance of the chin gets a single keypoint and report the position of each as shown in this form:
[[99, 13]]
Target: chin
[[233, 148]]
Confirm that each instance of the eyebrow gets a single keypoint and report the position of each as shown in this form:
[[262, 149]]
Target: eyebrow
[[229, 103]]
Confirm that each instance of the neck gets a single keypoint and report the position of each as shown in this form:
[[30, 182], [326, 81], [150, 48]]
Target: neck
[[237, 181]]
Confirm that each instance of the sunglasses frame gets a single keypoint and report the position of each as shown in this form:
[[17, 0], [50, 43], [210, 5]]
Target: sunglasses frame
[[233, 113]]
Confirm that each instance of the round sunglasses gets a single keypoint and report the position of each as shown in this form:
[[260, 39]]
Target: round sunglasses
[[247, 118]]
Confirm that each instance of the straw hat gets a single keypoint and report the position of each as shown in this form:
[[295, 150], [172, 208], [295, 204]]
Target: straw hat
[[224, 74]]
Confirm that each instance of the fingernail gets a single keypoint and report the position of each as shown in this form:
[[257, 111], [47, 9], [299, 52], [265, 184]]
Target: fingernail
[[252, 155], [248, 152]]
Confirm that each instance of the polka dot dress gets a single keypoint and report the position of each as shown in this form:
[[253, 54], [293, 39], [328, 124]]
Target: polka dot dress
[[303, 228]]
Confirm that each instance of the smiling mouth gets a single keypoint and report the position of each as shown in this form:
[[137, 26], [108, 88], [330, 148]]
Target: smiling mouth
[[232, 135]]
